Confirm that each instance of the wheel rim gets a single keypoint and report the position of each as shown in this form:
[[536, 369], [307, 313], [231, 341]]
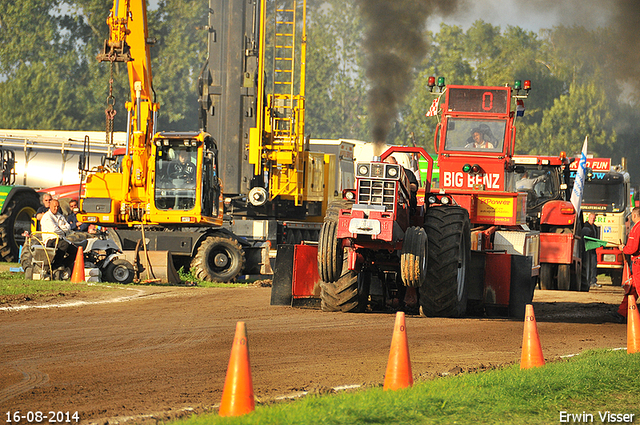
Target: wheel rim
[[121, 273], [220, 260]]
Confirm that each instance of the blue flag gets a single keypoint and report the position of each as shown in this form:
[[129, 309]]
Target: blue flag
[[578, 184]]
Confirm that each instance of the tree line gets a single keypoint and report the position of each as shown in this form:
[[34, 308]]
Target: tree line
[[50, 79]]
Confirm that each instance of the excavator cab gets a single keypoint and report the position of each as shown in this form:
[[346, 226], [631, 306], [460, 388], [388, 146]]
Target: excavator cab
[[186, 178]]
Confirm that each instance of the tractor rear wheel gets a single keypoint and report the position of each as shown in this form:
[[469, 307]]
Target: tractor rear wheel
[[15, 220], [445, 290], [219, 259], [413, 260], [347, 294]]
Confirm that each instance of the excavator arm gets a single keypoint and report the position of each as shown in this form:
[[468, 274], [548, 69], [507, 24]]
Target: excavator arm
[[129, 42]]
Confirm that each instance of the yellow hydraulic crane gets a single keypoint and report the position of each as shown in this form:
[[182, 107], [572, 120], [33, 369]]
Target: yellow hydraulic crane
[[277, 146]]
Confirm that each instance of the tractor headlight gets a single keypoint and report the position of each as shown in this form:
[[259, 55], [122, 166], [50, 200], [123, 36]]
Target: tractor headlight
[[445, 200], [432, 199], [392, 171], [363, 170]]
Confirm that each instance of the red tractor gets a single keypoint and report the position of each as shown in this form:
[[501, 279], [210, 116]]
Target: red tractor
[[383, 239], [464, 245]]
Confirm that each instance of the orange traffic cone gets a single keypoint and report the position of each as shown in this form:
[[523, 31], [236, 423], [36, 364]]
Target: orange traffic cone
[[633, 326], [237, 395], [531, 348], [398, 373], [78, 267]]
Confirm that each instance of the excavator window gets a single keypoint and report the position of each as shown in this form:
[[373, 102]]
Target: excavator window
[[176, 177]]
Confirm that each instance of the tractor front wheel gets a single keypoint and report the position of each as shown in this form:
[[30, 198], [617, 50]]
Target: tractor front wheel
[[330, 253], [413, 259], [347, 294]]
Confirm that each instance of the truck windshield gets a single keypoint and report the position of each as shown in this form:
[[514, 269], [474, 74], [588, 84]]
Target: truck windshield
[[175, 177], [540, 185], [609, 194], [464, 134]]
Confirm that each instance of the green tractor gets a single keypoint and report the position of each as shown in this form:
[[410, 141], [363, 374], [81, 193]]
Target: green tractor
[[17, 205]]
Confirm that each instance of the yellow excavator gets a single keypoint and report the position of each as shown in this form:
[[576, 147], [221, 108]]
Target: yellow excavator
[[164, 198]]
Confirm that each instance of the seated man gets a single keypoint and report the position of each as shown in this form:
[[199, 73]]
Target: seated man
[[527, 183], [480, 138], [183, 168], [73, 221], [54, 228]]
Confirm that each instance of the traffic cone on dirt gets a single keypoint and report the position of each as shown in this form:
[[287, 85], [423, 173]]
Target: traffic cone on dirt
[[78, 267], [633, 326], [398, 373], [237, 395], [531, 348]]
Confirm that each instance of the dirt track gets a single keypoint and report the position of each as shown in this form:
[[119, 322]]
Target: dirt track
[[160, 352]]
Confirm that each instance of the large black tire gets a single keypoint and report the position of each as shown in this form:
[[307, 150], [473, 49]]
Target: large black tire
[[15, 220], [564, 277], [547, 276], [119, 271], [413, 259], [330, 253], [347, 294], [445, 290], [218, 259]]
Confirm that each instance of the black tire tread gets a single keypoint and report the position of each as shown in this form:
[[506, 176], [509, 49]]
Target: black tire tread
[[343, 294], [445, 227], [413, 252], [201, 265], [9, 248]]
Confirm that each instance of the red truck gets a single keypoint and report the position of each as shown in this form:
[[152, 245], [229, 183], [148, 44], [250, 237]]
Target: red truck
[[545, 180]]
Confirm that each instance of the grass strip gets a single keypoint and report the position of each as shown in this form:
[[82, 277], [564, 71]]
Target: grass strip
[[592, 383]]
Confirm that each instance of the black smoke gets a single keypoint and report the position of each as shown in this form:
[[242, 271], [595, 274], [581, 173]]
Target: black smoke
[[394, 43]]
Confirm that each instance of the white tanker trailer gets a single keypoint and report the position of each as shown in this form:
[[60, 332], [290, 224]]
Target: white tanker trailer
[[34, 159]]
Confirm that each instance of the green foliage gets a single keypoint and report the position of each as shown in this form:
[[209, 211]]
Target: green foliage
[[335, 83], [591, 382], [190, 278], [585, 110]]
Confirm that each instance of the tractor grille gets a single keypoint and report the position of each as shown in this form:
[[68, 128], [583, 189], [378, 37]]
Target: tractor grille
[[377, 192]]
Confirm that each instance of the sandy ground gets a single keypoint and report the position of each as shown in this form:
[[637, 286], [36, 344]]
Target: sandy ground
[[146, 353]]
